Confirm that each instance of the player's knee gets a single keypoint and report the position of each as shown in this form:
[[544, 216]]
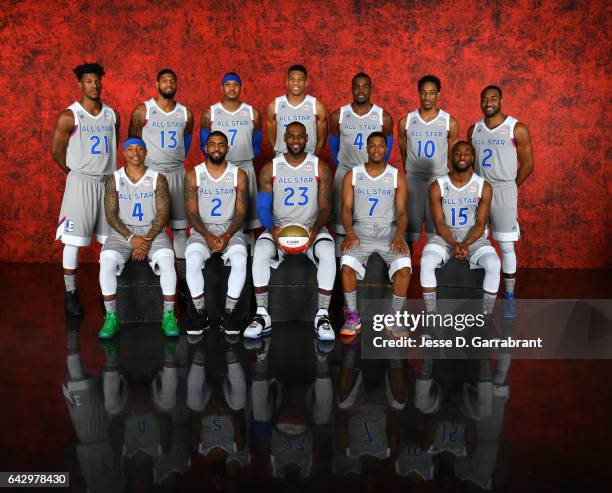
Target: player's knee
[[491, 263], [506, 247], [238, 261], [402, 274], [264, 251]]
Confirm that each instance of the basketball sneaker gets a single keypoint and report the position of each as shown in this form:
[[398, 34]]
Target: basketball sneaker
[[323, 328], [110, 327], [198, 324], [170, 324], [261, 324], [352, 323], [72, 304]]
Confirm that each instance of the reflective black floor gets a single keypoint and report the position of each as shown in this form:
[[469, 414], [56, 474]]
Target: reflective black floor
[[288, 413]]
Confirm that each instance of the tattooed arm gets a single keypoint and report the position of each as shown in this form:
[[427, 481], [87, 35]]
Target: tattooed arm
[[162, 204], [111, 206], [193, 213], [137, 121], [242, 201]]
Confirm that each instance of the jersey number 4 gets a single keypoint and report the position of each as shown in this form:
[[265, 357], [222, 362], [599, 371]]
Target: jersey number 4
[[137, 211], [291, 192], [358, 142]]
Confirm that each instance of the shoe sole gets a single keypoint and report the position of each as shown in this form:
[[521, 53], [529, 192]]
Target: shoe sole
[[350, 332], [195, 332], [323, 339]]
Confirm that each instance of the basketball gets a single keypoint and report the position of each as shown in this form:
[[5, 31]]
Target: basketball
[[293, 238]]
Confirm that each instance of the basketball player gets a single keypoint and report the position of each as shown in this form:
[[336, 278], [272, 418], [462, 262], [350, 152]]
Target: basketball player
[[137, 203], [349, 128], [166, 127], [297, 106], [425, 135], [241, 123], [85, 148], [216, 197], [294, 187], [500, 141], [375, 218], [460, 203]]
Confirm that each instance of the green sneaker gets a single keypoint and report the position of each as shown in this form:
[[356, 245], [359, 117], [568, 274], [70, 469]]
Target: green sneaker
[[110, 327], [170, 324]]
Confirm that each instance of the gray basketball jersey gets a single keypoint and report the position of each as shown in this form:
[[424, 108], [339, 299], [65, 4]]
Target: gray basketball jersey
[[216, 197], [217, 431], [305, 113], [164, 135], [354, 132], [367, 431], [142, 433], [136, 200], [374, 198], [295, 190], [427, 150], [238, 127], [496, 157], [287, 450], [460, 204], [92, 146]]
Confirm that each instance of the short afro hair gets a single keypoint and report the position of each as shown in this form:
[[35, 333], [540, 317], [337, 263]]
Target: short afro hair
[[88, 68], [165, 71], [430, 78], [298, 68], [496, 88]]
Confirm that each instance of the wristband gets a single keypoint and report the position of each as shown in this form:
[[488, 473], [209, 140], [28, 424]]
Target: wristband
[[130, 237]]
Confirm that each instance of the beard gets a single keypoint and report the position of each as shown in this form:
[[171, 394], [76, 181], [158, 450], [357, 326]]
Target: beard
[[217, 160], [168, 94], [457, 169]]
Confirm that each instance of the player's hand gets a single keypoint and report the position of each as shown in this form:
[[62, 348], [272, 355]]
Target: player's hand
[[351, 240], [274, 230], [311, 237], [398, 245], [141, 246], [211, 240], [460, 251], [222, 242]]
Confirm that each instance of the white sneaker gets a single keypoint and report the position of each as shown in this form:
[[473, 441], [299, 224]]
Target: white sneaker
[[323, 328], [261, 324]]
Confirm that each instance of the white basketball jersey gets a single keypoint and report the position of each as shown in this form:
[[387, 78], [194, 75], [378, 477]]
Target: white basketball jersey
[[92, 146], [305, 113], [496, 156], [374, 198], [136, 200], [427, 150], [216, 197], [164, 135], [354, 133], [238, 128]]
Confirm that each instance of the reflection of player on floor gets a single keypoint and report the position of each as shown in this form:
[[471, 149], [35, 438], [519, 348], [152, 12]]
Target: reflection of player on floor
[[216, 195], [375, 219], [460, 204], [297, 106], [137, 204], [166, 127], [294, 188], [85, 147], [241, 123], [500, 142], [425, 135], [349, 128]]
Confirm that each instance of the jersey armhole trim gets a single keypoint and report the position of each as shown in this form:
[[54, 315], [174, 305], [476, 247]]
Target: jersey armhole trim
[[251, 112], [480, 186], [395, 172], [155, 176], [273, 169], [316, 167], [440, 181], [147, 111], [117, 178], [314, 105], [276, 104], [197, 173]]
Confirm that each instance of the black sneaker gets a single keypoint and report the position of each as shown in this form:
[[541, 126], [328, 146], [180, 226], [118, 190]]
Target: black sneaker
[[199, 323], [73, 304], [230, 326]]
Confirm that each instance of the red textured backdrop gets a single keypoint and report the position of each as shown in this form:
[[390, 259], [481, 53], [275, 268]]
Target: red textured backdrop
[[551, 59]]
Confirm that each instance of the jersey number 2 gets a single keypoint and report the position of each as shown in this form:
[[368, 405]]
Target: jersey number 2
[[486, 158], [216, 204]]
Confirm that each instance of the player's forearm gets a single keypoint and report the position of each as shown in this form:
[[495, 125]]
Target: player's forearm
[[474, 233], [322, 219], [347, 221], [236, 224], [112, 218], [196, 223], [445, 234], [523, 172], [401, 223], [59, 156]]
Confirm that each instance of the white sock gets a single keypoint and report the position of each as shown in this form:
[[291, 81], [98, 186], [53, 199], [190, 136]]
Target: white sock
[[168, 306], [70, 282], [509, 283], [430, 301], [110, 306]]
